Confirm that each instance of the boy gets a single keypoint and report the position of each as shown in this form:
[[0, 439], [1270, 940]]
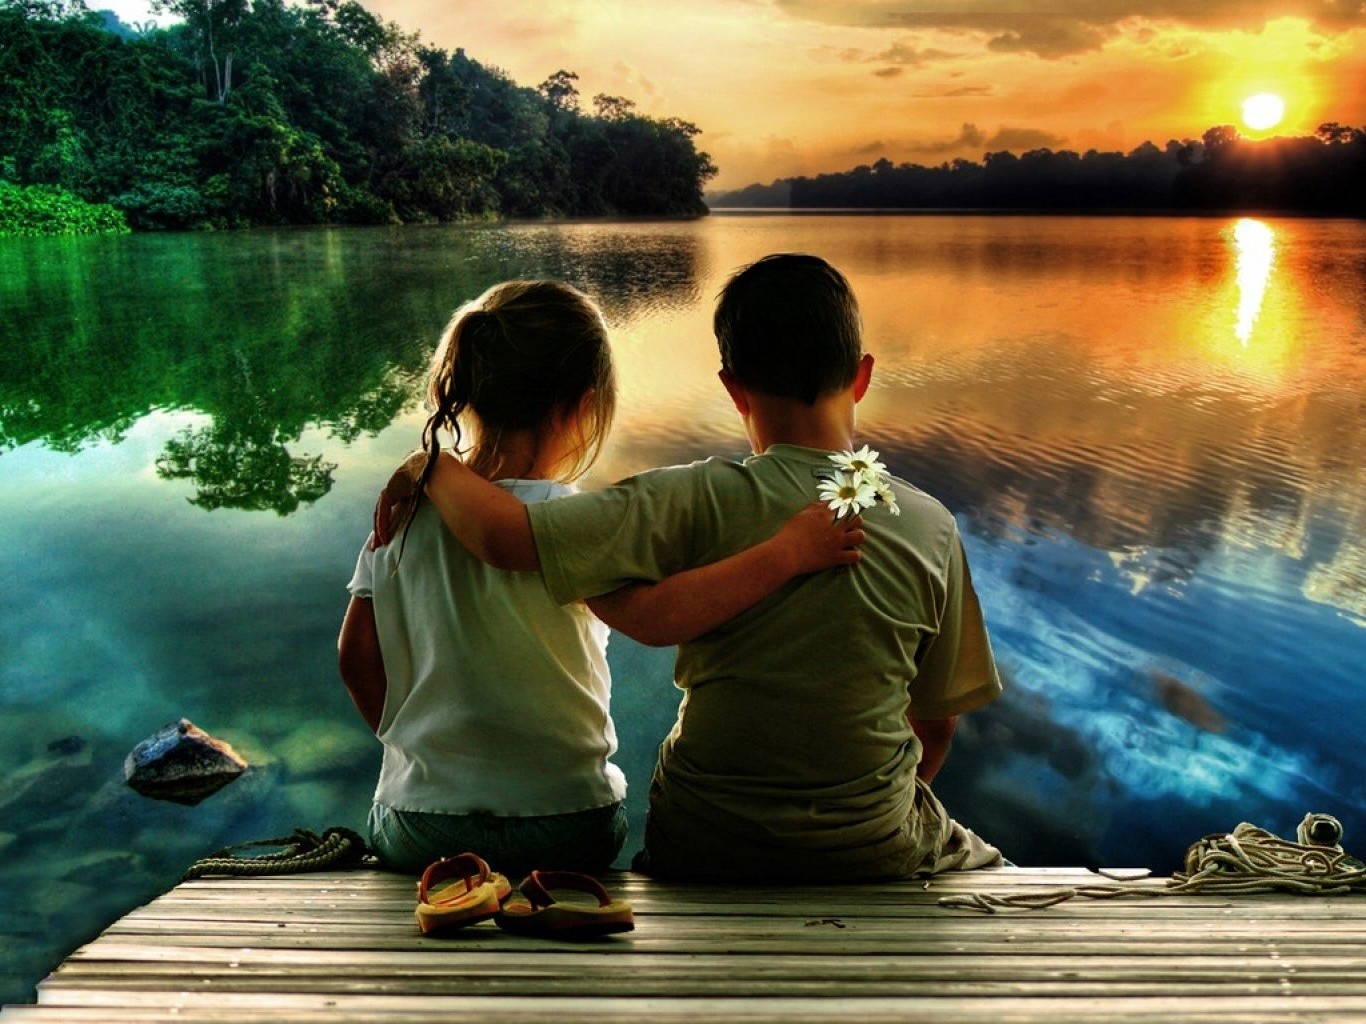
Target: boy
[[812, 723]]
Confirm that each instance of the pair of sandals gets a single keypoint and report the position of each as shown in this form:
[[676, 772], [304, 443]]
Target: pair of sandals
[[474, 893]]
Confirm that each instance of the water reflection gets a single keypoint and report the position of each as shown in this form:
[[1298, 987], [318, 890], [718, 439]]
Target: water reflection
[[1118, 414], [1255, 244], [1164, 518], [268, 334]]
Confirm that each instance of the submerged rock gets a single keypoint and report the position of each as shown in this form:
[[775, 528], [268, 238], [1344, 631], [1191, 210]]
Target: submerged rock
[[1184, 702], [40, 790], [181, 763], [66, 745]]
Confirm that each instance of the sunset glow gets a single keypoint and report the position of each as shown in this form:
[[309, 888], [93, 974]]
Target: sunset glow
[[1262, 111], [800, 87]]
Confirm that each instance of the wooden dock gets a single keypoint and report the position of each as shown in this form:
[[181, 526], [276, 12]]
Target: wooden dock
[[343, 947]]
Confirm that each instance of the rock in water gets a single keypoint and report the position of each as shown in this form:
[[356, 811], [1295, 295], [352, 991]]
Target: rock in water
[[181, 763]]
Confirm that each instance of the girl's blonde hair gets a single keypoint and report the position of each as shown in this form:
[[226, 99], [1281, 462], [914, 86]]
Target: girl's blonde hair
[[514, 359]]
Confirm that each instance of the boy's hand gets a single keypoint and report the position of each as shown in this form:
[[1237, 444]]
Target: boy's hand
[[814, 542], [396, 492]]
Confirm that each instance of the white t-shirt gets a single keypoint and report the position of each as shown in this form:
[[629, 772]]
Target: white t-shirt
[[498, 696]]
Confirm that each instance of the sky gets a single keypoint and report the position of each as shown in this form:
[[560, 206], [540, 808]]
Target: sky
[[791, 87]]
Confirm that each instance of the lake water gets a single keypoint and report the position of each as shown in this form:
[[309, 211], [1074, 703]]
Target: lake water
[[1151, 431]]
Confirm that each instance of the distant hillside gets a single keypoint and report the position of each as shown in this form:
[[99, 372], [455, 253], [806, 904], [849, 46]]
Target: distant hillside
[[1320, 174]]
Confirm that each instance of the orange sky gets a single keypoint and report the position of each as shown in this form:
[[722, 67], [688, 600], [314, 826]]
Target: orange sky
[[786, 87]]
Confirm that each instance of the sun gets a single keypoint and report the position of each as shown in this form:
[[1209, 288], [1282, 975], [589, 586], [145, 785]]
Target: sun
[[1263, 111]]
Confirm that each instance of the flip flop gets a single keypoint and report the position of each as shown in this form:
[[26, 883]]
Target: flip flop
[[476, 897], [538, 913]]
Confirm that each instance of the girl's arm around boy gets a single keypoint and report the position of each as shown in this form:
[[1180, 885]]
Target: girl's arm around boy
[[494, 526]]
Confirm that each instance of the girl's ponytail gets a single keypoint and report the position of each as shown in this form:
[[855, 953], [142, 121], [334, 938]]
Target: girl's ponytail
[[469, 338], [512, 360], [452, 387]]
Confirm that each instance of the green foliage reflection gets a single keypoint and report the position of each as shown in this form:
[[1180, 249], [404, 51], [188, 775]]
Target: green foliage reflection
[[105, 333], [233, 467], [269, 334]]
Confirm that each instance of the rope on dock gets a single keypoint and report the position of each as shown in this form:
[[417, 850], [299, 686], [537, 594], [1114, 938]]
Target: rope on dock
[[1247, 860], [303, 851]]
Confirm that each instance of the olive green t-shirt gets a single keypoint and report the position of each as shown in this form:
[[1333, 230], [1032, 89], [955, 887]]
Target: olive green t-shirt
[[793, 729]]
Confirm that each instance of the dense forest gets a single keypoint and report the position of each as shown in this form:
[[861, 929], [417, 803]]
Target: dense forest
[[265, 112], [1320, 174]]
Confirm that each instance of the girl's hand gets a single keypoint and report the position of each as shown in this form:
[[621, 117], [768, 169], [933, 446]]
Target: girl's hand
[[395, 495], [812, 541]]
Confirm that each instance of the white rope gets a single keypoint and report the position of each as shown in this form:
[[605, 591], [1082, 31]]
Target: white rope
[[1247, 860]]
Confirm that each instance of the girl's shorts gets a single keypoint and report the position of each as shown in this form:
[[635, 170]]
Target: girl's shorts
[[585, 841]]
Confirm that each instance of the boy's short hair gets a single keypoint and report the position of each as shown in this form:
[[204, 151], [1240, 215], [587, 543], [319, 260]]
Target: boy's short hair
[[788, 325]]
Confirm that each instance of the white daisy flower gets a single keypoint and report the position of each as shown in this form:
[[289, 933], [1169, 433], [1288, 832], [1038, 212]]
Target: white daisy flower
[[847, 493], [887, 496], [865, 461]]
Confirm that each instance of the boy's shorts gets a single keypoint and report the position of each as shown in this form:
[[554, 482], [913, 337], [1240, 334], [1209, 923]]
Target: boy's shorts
[[927, 843]]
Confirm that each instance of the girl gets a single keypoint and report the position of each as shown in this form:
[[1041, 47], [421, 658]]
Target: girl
[[491, 700]]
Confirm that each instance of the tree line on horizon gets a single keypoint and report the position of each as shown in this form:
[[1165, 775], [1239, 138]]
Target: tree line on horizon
[[253, 112], [1318, 174]]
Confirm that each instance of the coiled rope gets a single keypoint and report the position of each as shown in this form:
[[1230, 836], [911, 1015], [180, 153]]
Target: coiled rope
[[1247, 860], [303, 851]]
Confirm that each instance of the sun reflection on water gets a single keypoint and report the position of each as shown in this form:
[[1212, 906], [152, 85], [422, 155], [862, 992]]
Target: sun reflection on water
[[1255, 243]]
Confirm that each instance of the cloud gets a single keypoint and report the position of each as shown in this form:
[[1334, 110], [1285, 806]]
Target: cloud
[[840, 54], [1049, 37], [969, 137], [744, 160], [957, 92], [896, 57], [1022, 139], [1064, 27], [908, 56], [634, 79], [534, 28], [973, 140], [1054, 34]]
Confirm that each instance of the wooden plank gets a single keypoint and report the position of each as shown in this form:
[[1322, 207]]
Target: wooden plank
[[584, 958], [586, 974], [344, 948], [815, 982], [569, 1013], [798, 904], [1232, 949], [1299, 975], [836, 927], [467, 1007], [1171, 909], [693, 989]]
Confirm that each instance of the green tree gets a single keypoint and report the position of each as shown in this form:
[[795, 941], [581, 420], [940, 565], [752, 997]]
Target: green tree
[[441, 178], [1334, 134], [51, 210], [266, 111], [613, 108], [212, 28], [1219, 140], [560, 92], [270, 171]]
